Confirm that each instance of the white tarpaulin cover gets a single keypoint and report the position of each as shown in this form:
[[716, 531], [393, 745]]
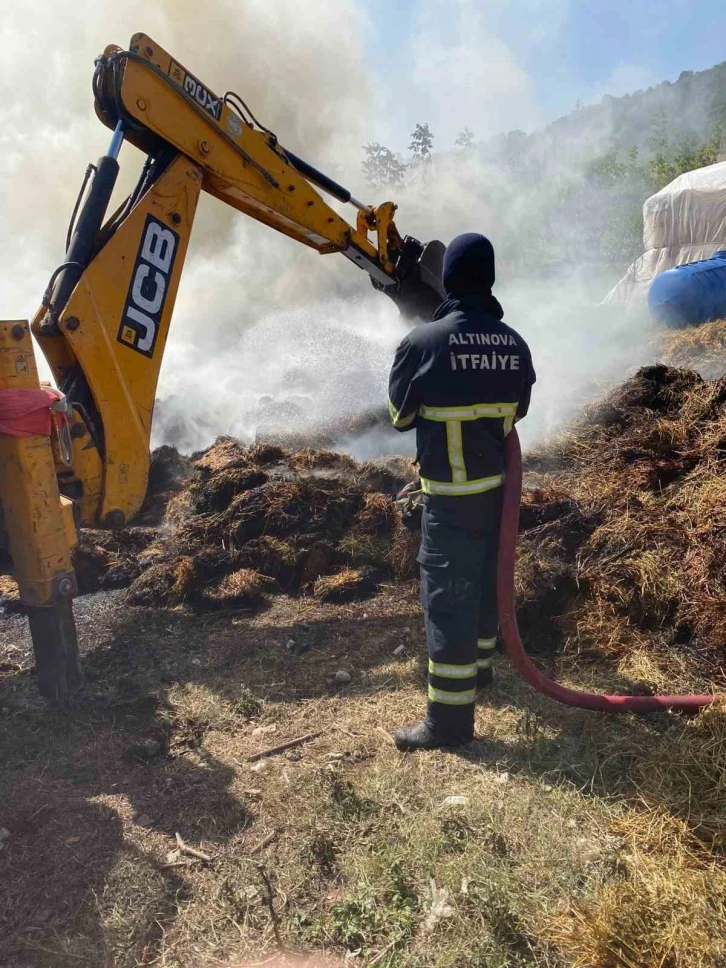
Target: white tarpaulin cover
[[683, 222]]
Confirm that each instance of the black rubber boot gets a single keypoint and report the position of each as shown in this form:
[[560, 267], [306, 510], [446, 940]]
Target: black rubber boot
[[451, 728]]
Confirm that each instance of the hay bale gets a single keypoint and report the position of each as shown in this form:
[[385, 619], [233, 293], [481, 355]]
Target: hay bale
[[311, 506], [309, 459], [387, 474], [359, 548], [658, 388], [246, 517], [700, 348], [224, 452], [168, 471], [263, 454], [179, 508], [271, 556], [351, 584], [622, 545]]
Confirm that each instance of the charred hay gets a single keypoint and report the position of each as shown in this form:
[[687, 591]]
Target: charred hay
[[168, 472], [623, 543], [304, 522], [111, 559], [345, 586], [234, 523]]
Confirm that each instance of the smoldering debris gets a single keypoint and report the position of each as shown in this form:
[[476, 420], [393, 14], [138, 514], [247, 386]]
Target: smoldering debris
[[621, 546], [237, 524], [622, 549]]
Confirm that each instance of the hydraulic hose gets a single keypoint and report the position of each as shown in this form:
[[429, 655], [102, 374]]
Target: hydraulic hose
[[508, 618]]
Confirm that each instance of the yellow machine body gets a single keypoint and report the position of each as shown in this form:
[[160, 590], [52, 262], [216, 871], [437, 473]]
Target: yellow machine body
[[121, 365], [37, 519]]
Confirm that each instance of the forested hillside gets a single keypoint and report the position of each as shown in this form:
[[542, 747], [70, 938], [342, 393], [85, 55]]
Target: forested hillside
[[571, 193]]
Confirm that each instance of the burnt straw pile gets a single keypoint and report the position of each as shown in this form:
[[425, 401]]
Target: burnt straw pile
[[624, 526], [241, 523]]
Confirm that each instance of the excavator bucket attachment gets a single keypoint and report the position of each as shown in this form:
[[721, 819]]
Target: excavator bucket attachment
[[37, 520], [419, 289]]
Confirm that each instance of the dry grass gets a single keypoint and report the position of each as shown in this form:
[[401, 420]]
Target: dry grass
[[666, 912], [573, 836], [559, 839], [687, 771], [701, 348]]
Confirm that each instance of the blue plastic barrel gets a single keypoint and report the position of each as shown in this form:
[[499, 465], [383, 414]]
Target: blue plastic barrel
[[691, 294]]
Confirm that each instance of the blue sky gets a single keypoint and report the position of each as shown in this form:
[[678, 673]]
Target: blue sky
[[520, 63]]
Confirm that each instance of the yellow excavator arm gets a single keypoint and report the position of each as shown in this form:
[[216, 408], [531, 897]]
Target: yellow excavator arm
[[105, 315]]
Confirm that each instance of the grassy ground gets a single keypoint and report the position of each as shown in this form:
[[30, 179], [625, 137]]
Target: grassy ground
[[559, 838]]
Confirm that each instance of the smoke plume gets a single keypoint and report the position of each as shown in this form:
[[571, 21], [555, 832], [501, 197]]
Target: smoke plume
[[268, 337]]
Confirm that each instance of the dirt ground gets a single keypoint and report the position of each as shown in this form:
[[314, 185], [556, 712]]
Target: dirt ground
[[164, 820], [540, 844]]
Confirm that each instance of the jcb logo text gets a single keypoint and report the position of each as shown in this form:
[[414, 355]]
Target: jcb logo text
[[149, 285]]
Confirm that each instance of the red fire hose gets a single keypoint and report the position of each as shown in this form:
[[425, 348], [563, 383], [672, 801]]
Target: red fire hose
[[508, 618]]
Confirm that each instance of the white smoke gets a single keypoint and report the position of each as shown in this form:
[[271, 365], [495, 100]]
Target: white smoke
[[299, 372], [264, 330], [302, 79]]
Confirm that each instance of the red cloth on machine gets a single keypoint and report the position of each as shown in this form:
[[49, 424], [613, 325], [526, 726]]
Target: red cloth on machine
[[27, 413]]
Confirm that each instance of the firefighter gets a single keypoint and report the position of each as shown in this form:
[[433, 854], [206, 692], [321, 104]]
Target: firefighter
[[461, 381]]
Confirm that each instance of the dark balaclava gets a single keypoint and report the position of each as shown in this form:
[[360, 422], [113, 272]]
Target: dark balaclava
[[468, 274]]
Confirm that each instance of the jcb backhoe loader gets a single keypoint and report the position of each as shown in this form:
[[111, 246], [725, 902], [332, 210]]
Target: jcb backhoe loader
[[80, 457]]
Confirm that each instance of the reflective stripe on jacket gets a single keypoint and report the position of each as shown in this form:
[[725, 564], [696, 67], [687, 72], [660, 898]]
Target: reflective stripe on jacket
[[461, 381]]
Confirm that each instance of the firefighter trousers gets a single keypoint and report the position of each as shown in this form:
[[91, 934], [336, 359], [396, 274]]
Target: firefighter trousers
[[458, 565]]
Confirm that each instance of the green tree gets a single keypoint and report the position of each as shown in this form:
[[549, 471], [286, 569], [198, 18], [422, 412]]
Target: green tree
[[465, 140], [381, 167], [422, 141], [607, 171], [686, 155]]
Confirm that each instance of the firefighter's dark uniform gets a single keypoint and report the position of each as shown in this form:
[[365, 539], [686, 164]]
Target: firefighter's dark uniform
[[461, 381]]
